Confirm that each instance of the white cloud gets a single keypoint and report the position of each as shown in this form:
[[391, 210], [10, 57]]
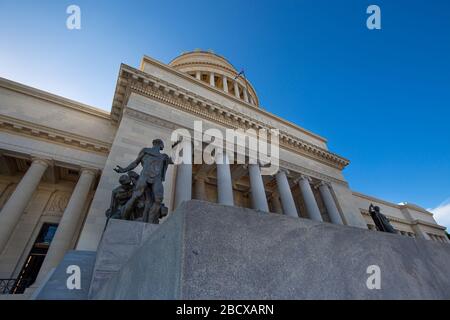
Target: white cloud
[[442, 214]]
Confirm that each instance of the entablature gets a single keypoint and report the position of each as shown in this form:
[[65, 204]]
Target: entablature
[[133, 80]]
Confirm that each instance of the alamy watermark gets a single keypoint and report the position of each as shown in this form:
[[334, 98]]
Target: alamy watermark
[[73, 21], [374, 20], [73, 281], [229, 146], [374, 280]]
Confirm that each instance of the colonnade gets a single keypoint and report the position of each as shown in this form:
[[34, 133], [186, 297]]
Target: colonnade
[[286, 202]]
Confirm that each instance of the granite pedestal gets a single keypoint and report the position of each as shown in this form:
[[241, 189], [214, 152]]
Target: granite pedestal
[[209, 251]]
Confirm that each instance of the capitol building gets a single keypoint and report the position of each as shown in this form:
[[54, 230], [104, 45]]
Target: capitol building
[[57, 158]]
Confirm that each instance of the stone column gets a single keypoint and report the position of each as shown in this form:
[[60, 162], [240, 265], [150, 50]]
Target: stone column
[[328, 199], [257, 188], [225, 83], [18, 201], [284, 190], [246, 95], [198, 75], [276, 203], [310, 201], [212, 80], [183, 187], [200, 189], [224, 183], [236, 90], [70, 220]]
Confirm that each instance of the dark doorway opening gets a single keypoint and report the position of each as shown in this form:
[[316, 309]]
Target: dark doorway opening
[[33, 263]]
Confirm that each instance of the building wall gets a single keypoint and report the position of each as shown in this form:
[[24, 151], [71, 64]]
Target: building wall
[[36, 123], [58, 114]]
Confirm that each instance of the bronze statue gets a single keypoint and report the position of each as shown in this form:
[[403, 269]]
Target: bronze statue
[[381, 221], [146, 201], [119, 197]]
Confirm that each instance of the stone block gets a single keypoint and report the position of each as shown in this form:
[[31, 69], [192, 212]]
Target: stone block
[[209, 251], [56, 286], [119, 242]]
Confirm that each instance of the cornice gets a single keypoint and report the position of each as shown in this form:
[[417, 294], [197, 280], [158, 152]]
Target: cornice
[[390, 204], [133, 80], [311, 173], [284, 165], [144, 117], [428, 224], [176, 65], [31, 130], [205, 53], [404, 221], [391, 218], [43, 95]]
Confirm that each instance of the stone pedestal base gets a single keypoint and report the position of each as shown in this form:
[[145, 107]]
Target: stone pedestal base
[[119, 242], [209, 251], [55, 288]]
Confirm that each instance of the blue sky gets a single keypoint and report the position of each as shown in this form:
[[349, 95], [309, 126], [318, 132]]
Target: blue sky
[[380, 97]]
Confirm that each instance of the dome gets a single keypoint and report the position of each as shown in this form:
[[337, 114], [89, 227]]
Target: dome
[[216, 71]]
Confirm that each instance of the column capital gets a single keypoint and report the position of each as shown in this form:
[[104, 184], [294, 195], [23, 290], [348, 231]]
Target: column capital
[[323, 184], [283, 170], [301, 177], [44, 161], [91, 171], [305, 177], [259, 164]]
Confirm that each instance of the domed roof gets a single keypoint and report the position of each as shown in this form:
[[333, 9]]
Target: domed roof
[[202, 58], [216, 71]]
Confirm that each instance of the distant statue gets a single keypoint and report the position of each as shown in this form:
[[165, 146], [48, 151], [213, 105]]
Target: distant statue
[[146, 200], [381, 221]]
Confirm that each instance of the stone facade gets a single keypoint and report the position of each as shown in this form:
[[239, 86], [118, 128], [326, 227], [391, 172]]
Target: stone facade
[[57, 156]]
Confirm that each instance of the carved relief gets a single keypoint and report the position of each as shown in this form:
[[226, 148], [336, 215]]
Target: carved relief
[[57, 203]]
